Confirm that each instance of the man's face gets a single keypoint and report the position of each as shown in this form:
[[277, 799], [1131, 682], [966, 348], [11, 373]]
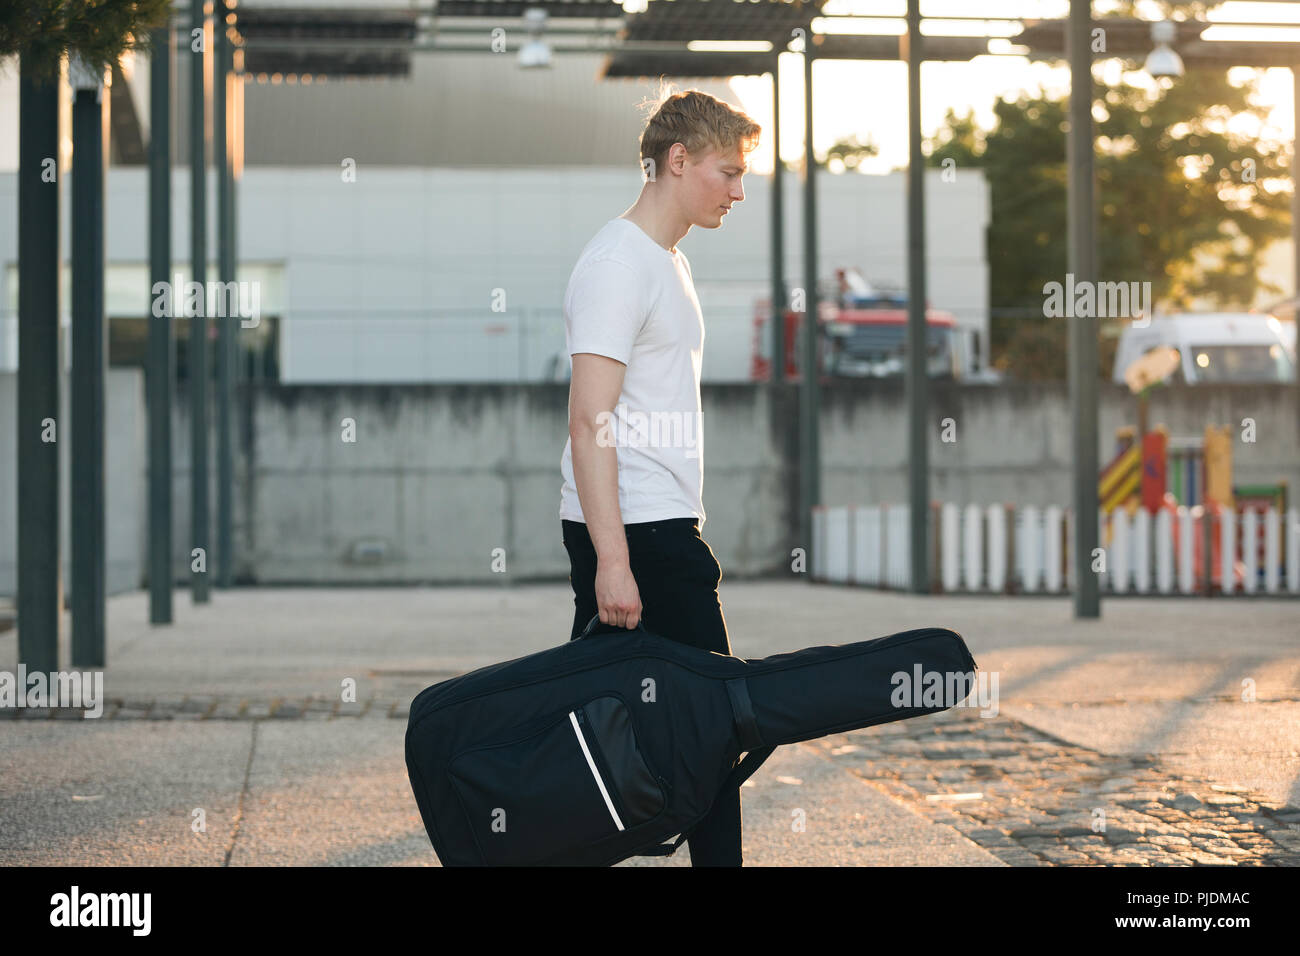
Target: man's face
[[712, 184]]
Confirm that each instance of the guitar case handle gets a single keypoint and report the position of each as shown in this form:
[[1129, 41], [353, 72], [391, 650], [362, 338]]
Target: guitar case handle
[[596, 622]]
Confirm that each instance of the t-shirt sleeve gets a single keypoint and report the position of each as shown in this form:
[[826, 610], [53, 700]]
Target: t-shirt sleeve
[[603, 313]]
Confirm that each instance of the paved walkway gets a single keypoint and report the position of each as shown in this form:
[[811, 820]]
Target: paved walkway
[[226, 741]]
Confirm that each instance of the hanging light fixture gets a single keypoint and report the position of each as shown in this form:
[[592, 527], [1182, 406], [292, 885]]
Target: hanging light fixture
[[1163, 61], [535, 53]]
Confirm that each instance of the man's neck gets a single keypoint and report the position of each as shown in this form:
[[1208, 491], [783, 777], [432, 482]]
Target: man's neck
[[665, 229]]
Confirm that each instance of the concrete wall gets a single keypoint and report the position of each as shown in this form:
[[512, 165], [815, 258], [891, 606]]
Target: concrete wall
[[442, 476], [439, 476], [125, 449], [1013, 441]]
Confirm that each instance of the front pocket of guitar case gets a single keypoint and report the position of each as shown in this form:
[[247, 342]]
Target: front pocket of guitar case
[[636, 792], [575, 781]]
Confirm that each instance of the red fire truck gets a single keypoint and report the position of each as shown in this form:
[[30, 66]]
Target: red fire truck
[[863, 335]]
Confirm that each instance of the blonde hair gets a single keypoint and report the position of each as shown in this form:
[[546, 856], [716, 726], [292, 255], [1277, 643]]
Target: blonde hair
[[697, 121]]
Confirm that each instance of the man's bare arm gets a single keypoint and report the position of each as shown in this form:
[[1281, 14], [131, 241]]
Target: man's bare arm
[[596, 385]]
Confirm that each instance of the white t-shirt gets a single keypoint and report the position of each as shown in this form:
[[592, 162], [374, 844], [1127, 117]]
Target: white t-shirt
[[631, 299]]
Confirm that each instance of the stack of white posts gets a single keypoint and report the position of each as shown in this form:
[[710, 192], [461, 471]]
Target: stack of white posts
[[1004, 549]]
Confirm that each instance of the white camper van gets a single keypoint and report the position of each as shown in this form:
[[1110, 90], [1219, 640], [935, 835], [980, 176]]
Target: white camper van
[[1212, 347]]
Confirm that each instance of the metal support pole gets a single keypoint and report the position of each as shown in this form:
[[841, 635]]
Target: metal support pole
[[227, 324], [917, 383], [234, 170], [1083, 329], [40, 603], [810, 490], [777, 329], [1295, 226], [198, 341], [162, 353], [89, 363]]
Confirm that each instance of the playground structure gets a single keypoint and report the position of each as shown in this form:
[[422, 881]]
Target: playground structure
[[1189, 478], [1165, 504]]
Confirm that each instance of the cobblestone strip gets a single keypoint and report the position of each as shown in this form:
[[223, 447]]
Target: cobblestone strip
[[207, 707], [1034, 800]]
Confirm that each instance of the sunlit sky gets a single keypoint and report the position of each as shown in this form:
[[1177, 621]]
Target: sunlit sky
[[869, 99]]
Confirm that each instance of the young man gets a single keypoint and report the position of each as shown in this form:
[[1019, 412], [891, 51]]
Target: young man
[[631, 504]]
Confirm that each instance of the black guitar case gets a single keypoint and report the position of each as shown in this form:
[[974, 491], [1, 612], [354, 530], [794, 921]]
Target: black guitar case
[[604, 747]]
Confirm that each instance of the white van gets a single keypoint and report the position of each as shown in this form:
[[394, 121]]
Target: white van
[[1212, 347]]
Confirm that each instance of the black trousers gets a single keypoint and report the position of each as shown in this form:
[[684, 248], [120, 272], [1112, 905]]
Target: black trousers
[[677, 576]]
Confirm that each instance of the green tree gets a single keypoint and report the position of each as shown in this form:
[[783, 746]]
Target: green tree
[[100, 31], [851, 152], [1183, 203]]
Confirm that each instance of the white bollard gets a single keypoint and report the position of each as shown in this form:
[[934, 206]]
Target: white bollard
[[1120, 544], [1228, 550], [861, 559], [1142, 551], [854, 526], [1052, 529], [883, 561], [1103, 572], [997, 523], [1250, 550], [837, 543], [900, 547], [1164, 551], [1186, 543], [949, 543], [876, 541], [1028, 549], [1293, 550], [973, 548], [818, 544], [891, 546], [1272, 550]]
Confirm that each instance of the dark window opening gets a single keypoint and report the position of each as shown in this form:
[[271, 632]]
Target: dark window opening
[[258, 347]]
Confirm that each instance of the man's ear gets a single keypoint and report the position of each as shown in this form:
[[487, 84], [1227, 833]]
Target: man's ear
[[676, 158]]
